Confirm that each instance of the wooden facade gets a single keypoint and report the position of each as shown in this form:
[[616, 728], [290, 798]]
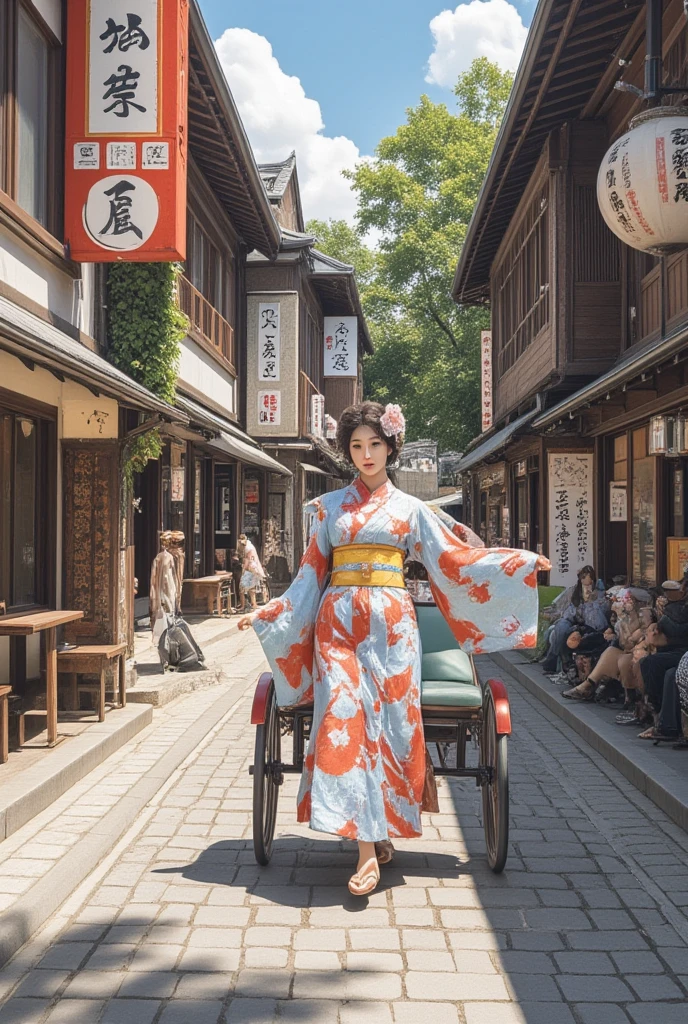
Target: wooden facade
[[588, 334]]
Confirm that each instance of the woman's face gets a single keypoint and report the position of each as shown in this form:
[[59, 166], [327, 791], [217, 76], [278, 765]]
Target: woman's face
[[368, 451], [587, 581]]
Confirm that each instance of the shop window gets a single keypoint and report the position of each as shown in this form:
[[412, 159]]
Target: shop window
[[173, 473], [27, 454], [644, 568], [197, 517], [223, 516], [209, 269], [252, 506], [30, 126]]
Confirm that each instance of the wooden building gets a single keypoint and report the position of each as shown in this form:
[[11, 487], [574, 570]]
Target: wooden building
[[589, 336], [211, 470], [64, 409], [287, 407]]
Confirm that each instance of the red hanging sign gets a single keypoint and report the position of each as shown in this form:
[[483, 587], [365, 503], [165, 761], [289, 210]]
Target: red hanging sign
[[126, 130]]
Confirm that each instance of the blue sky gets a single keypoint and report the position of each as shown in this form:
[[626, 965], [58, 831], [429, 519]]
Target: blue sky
[[359, 62]]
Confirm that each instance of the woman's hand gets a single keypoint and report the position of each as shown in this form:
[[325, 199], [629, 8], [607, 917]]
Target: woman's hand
[[543, 564], [609, 634], [246, 621]]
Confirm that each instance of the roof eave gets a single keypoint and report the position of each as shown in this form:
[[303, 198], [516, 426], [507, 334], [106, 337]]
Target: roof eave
[[225, 99], [525, 67]]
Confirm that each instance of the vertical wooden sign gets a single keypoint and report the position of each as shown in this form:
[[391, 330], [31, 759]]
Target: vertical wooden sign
[[126, 130]]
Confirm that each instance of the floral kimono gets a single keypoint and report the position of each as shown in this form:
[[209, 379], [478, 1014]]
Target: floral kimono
[[355, 652]]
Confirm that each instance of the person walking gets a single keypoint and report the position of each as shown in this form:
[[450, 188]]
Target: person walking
[[252, 572], [351, 645]]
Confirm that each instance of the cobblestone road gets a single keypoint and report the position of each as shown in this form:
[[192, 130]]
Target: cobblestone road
[[587, 924]]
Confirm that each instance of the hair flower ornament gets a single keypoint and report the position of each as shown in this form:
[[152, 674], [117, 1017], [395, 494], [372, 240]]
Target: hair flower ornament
[[392, 420]]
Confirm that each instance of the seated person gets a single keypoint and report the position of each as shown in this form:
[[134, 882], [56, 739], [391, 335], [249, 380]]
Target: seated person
[[615, 659], [588, 608], [666, 643]]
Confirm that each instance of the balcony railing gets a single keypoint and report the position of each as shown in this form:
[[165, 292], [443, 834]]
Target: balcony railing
[[307, 390], [206, 324]]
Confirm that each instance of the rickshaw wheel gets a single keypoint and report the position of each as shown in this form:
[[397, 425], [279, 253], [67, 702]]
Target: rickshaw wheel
[[493, 750], [267, 779]]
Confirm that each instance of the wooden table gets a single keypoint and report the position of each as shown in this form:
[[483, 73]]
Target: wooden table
[[209, 590], [38, 622]]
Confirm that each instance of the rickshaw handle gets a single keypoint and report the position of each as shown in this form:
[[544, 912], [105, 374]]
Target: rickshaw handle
[[501, 705], [260, 699]]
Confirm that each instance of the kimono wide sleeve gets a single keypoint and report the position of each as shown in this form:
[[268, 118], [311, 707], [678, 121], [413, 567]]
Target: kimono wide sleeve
[[286, 626], [487, 595]]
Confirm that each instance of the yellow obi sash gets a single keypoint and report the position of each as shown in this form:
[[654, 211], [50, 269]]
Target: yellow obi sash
[[367, 565]]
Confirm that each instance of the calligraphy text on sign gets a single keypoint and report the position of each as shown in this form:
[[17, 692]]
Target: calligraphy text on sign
[[269, 408], [126, 113], [341, 346], [570, 514], [269, 341], [486, 378]]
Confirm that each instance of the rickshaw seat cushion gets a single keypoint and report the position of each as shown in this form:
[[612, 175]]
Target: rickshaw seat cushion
[[447, 666], [449, 694]]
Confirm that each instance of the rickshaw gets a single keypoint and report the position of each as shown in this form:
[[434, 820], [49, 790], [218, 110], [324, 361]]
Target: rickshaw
[[455, 707]]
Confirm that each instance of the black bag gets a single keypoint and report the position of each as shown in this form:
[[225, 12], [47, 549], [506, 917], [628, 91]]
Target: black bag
[[177, 647]]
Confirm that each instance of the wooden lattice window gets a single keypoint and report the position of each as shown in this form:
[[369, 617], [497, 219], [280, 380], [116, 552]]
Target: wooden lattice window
[[521, 291]]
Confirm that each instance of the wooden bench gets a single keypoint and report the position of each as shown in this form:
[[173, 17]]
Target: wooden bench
[[208, 594], [5, 691], [93, 660]]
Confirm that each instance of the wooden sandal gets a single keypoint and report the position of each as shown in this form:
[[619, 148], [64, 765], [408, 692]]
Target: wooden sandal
[[384, 851], [365, 880]]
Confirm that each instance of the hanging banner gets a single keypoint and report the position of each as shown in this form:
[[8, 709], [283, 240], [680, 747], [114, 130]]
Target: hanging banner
[[486, 377], [269, 341], [269, 408], [126, 128], [341, 346], [570, 492], [318, 415]]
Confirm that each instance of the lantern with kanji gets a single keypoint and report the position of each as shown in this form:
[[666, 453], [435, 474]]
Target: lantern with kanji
[[642, 184]]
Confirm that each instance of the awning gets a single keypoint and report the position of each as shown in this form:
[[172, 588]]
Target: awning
[[231, 445], [497, 441], [456, 498], [307, 468], [30, 338], [628, 367]]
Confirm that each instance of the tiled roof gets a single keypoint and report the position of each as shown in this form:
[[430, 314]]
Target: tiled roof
[[276, 176]]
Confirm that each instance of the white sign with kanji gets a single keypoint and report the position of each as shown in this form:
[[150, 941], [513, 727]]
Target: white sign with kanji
[[123, 67], [121, 212], [318, 415], [341, 346], [571, 503], [486, 378], [269, 408], [269, 341]]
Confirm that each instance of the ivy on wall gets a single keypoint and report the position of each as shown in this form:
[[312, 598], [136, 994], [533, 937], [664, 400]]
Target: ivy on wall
[[145, 329]]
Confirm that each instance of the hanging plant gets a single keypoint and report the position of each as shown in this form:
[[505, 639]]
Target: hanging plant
[[145, 330]]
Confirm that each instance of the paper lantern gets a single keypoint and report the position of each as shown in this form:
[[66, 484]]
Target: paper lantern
[[642, 184], [663, 436]]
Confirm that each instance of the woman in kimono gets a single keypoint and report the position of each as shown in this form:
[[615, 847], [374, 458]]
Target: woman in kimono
[[252, 572], [350, 643]]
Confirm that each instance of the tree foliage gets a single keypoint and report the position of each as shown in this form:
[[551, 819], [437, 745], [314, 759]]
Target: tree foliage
[[417, 197]]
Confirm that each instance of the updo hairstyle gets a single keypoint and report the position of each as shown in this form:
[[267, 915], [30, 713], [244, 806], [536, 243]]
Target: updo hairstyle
[[365, 414]]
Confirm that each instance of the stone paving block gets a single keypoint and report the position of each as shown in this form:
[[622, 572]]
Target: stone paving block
[[320, 938], [74, 1011], [412, 1013], [607, 941], [316, 960], [431, 960], [203, 958], [557, 919], [651, 987], [524, 1013], [535, 988], [130, 1011], [310, 1011], [205, 985], [638, 963], [41, 984], [415, 938], [595, 989], [155, 957], [657, 1013], [66, 955], [94, 985], [278, 915], [374, 938], [378, 962], [346, 985], [339, 917], [252, 1011], [613, 920], [263, 984], [216, 938], [414, 917], [23, 1011], [433, 985], [365, 1013], [267, 957], [275, 936], [181, 1012], [158, 985], [606, 1013], [584, 963], [516, 961]]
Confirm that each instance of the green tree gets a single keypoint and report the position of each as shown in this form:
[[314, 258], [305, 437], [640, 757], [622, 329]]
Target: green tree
[[417, 196]]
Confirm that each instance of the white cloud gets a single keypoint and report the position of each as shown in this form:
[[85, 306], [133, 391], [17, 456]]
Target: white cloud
[[279, 117], [481, 28]]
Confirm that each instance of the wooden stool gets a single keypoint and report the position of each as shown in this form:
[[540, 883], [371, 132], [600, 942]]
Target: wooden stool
[[5, 691], [93, 660]]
